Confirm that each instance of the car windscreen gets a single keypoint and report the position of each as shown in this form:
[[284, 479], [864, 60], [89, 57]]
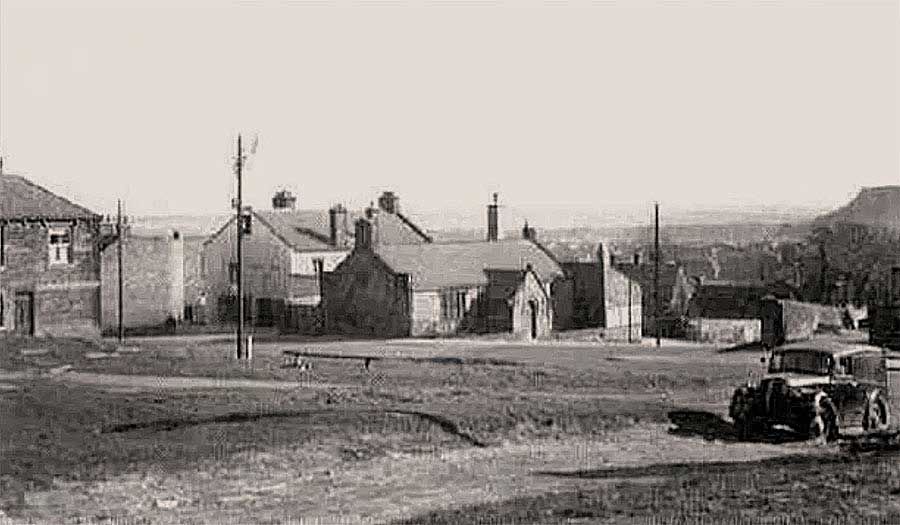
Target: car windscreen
[[801, 362]]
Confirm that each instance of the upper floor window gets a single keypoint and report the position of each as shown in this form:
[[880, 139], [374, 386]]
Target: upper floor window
[[2, 245], [60, 246]]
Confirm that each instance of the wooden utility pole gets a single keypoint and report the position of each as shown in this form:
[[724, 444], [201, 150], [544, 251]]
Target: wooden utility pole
[[630, 286], [240, 238], [656, 272], [120, 240]]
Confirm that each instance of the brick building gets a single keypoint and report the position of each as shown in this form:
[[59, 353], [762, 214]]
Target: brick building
[[49, 263], [153, 279], [285, 257]]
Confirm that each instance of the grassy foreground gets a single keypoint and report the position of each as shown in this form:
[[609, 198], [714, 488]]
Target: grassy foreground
[[430, 399]]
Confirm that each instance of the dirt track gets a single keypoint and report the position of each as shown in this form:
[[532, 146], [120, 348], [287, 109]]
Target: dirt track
[[369, 492]]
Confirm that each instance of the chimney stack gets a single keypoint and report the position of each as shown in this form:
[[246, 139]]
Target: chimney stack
[[363, 234], [284, 200], [389, 202], [528, 233], [337, 224], [493, 224]]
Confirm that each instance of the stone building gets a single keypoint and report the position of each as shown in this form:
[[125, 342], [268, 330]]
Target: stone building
[[49, 263], [602, 297], [675, 292], [285, 256], [153, 280], [440, 289]]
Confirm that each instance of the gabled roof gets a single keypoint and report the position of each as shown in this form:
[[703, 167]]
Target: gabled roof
[[304, 230], [22, 199], [310, 230], [435, 265]]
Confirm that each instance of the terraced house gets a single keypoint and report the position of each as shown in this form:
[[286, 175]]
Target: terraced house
[[49, 263]]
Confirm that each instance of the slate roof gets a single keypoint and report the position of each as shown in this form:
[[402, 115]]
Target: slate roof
[[436, 265], [22, 199], [309, 230], [305, 230]]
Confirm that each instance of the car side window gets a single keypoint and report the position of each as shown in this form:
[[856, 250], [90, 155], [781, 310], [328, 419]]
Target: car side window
[[869, 368]]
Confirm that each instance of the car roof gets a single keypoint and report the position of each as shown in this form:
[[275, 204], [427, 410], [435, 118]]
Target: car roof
[[836, 348]]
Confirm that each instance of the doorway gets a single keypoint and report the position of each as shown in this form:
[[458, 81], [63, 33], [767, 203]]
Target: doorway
[[532, 307], [24, 314]]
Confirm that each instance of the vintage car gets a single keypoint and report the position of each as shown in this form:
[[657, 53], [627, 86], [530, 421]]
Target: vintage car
[[818, 388]]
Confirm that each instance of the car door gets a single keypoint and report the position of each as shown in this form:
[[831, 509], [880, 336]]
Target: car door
[[851, 398]]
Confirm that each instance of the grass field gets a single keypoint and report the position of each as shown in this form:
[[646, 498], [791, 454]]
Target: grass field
[[433, 432]]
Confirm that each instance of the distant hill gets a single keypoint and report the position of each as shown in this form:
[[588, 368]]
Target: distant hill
[[876, 207]]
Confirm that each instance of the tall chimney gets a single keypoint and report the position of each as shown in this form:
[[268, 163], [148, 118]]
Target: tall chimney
[[284, 200], [493, 224], [363, 234], [389, 202], [337, 225]]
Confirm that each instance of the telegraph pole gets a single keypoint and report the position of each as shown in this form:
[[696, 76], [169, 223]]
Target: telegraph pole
[[239, 221], [656, 272], [119, 252]]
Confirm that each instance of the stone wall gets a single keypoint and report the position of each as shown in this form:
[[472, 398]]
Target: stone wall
[[726, 331], [426, 313], [153, 281], [64, 298], [266, 267], [786, 321], [363, 297], [622, 305], [530, 292]]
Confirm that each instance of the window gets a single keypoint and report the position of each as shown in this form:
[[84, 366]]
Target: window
[[60, 246], [2, 253], [453, 304], [232, 273], [1, 310]]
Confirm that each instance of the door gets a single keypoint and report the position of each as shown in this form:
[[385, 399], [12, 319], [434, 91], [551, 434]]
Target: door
[[532, 306], [24, 313]]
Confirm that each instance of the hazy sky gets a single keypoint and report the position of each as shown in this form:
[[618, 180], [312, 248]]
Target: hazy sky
[[571, 103]]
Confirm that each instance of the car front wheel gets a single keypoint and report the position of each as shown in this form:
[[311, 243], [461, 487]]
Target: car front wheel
[[876, 419], [825, 426]]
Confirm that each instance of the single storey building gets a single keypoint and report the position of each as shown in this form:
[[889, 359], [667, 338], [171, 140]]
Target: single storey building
[[440, 289]]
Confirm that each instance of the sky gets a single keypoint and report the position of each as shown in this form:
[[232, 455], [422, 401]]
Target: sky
[[571, 105]]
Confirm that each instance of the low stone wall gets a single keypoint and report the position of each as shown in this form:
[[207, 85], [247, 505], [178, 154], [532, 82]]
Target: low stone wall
[[729, 331], [786, 321]]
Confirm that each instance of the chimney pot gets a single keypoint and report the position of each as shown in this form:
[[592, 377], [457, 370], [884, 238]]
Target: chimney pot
[[389, 202], [363, 240], [284, 200]]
